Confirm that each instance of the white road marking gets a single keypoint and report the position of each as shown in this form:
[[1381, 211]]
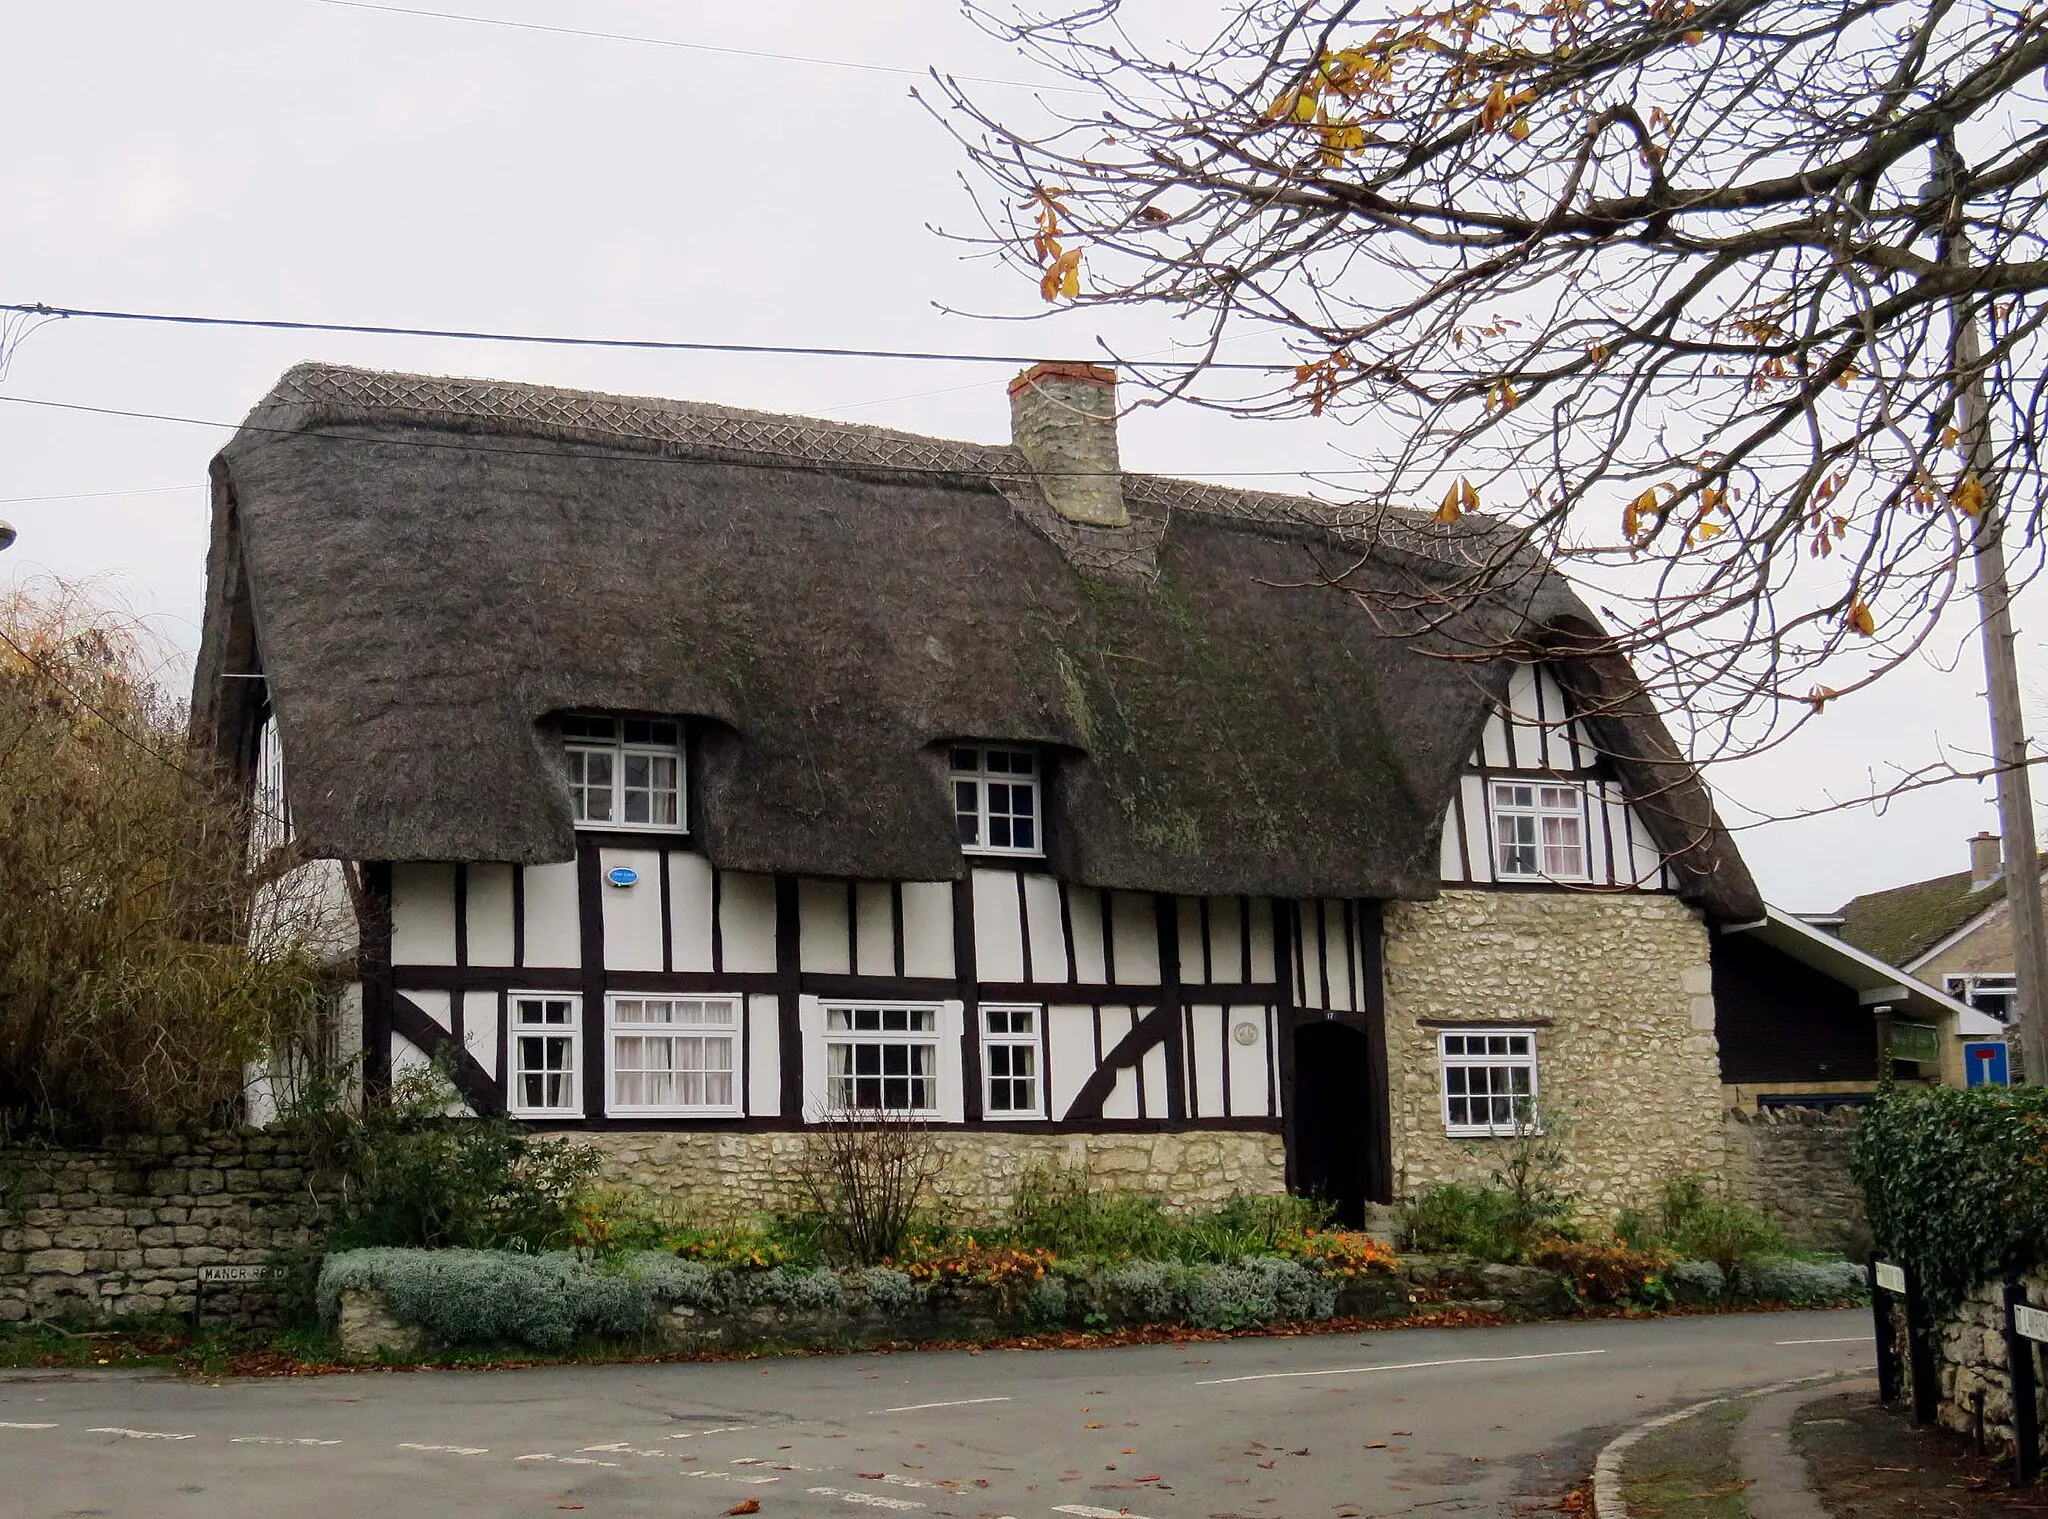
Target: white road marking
[[452, 1450], [723, 1429], [911, 1408], [871, 1500], [274, 1440], [136, 1434], [1085, 1512], [5, 1425], [1847, 1339], [719, 1476], [894, 1480], [1355, 1371], [773, 1464]]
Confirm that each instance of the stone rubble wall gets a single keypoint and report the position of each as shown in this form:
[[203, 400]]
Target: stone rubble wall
[[1970, 1361], [732, 1175], [1618, 991], [1792, 1166], [114, 1232]]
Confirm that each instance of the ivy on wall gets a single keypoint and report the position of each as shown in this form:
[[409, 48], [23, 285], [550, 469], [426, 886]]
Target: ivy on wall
[[1956, 1183]]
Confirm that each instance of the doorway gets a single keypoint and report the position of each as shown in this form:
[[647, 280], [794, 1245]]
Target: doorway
[[1332, 1116]]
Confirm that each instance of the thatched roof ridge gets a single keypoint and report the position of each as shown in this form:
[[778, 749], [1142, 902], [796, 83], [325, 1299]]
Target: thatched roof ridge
[[429, 569]]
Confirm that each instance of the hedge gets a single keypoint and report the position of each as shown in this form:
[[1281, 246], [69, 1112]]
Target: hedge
[[1956, 1183]]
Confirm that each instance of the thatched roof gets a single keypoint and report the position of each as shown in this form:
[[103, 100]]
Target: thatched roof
[[427, 570]]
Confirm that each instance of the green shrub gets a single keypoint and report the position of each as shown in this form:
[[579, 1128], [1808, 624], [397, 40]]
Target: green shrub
[[489, 1297], [1690, 1222], [420, 1179], [1062, 1210], [669, 1281], [1606, 1273], [1697, 1281], [889, 1290], [1956, 1183], [1461, 1218], [1803, 1284]]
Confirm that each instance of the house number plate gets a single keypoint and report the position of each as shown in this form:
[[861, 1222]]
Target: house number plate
[[2030, 1323], [1891, 1278]]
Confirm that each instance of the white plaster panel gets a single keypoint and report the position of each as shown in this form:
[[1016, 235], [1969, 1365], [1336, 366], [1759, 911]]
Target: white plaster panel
[[1478, 829], [1042, 921], [1248, 1062], [764, 1068], [875, 922], [1084, 908], [1450, 857], [746, 921], [407, 1058], [1188, 918], [689, 911], [1557, 733], [928, 928], [1152, 1065], [1205, 1059], [823, 947], [1649, 865], [1071, 1033], [1136, 927], [490, 914], [423, 914], [632, 914], [1226, 940], [1493, 742], [480, 1014], [1343, 966], [1261, 924], [438, 1006], [998, 930], [1122, 1101], [553, 934]]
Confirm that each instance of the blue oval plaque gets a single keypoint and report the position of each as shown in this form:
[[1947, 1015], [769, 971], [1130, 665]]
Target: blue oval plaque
[[622, 875]]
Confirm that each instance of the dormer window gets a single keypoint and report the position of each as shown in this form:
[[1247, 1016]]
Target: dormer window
[[625, 772], [1539, 831], [995, 799]]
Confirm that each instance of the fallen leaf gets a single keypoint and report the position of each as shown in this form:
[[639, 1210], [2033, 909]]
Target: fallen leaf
[[1150, 1477], [1400, 1431], [1130, 1450], [1093, 1426], [1375, 1445], [1265, 1465], [869, 1476], [1302, 1452], [746, 1506], [981, 1482]]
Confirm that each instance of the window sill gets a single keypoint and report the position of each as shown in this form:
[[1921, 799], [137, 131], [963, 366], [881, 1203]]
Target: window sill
[[667, 830], [1491, 1133], [544, 1114], [624, 1112]]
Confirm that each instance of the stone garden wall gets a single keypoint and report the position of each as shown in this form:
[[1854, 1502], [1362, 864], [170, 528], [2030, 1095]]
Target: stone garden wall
[[95, 1234], [1792, 1165], [1617, 990], [734, 1174], [1970, 1361]]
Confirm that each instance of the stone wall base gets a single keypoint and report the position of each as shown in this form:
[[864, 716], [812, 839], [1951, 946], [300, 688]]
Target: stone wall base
[[728, 1176], [1792, 1166]]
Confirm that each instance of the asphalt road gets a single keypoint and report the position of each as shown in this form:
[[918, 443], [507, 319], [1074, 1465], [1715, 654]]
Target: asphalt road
[[1480, 1421]]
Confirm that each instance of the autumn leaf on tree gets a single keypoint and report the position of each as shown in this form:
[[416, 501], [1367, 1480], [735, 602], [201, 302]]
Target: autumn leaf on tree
[[1861, 618], [1458, 500]]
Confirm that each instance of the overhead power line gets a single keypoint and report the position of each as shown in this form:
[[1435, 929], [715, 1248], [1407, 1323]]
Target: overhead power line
[[657, 345], [692, 47]]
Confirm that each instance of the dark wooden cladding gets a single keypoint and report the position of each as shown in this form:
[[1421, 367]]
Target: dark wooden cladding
[[590, 913], [789, 1043], [1778, 1020]]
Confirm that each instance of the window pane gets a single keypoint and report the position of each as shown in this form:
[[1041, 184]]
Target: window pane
[[966, 759]]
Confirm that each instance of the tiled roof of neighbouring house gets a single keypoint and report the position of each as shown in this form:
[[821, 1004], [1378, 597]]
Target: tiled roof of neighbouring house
[[1904, 922]]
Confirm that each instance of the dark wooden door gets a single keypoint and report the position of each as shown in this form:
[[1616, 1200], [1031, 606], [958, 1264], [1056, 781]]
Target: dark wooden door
[[1332, 1116]]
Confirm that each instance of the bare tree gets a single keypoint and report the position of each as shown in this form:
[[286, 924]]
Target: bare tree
[[1667, 295], [132, 994]]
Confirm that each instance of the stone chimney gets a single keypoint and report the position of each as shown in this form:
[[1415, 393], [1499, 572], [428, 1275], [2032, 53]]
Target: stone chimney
[[1063, 421], [1986, 864]]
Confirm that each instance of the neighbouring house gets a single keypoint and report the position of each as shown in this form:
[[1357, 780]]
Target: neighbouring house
[[1805, 1019], [1954, 932], [700, 774]]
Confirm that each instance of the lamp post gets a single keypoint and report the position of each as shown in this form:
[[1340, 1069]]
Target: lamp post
[[2001, 666]]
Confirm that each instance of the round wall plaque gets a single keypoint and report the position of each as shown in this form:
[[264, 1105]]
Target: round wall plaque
[[622, 875], [1246, 1033]]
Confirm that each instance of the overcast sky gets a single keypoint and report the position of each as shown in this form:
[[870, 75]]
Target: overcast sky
[[314, 161]]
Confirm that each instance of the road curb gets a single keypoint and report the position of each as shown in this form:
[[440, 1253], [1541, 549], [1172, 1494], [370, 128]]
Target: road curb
[[1607, 1499]]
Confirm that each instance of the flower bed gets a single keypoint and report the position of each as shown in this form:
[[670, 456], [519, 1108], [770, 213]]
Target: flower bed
[[406, 1300]]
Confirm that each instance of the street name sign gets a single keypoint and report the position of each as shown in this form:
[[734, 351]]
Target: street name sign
[[1891, 1278]]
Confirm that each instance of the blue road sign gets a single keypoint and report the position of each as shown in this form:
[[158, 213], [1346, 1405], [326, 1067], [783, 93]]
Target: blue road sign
[[1985, 1064]]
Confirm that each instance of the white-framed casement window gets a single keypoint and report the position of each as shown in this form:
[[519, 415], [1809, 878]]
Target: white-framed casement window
[[995, 799], [674, 1055], [625, 772], [1013, 1085], [881, 1058], [1539, 831], [270, 821], [545, 1076], [1988, 992], [1489, 1081]]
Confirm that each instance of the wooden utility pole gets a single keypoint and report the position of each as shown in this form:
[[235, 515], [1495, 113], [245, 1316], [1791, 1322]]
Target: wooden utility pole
[[2001, 666]]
